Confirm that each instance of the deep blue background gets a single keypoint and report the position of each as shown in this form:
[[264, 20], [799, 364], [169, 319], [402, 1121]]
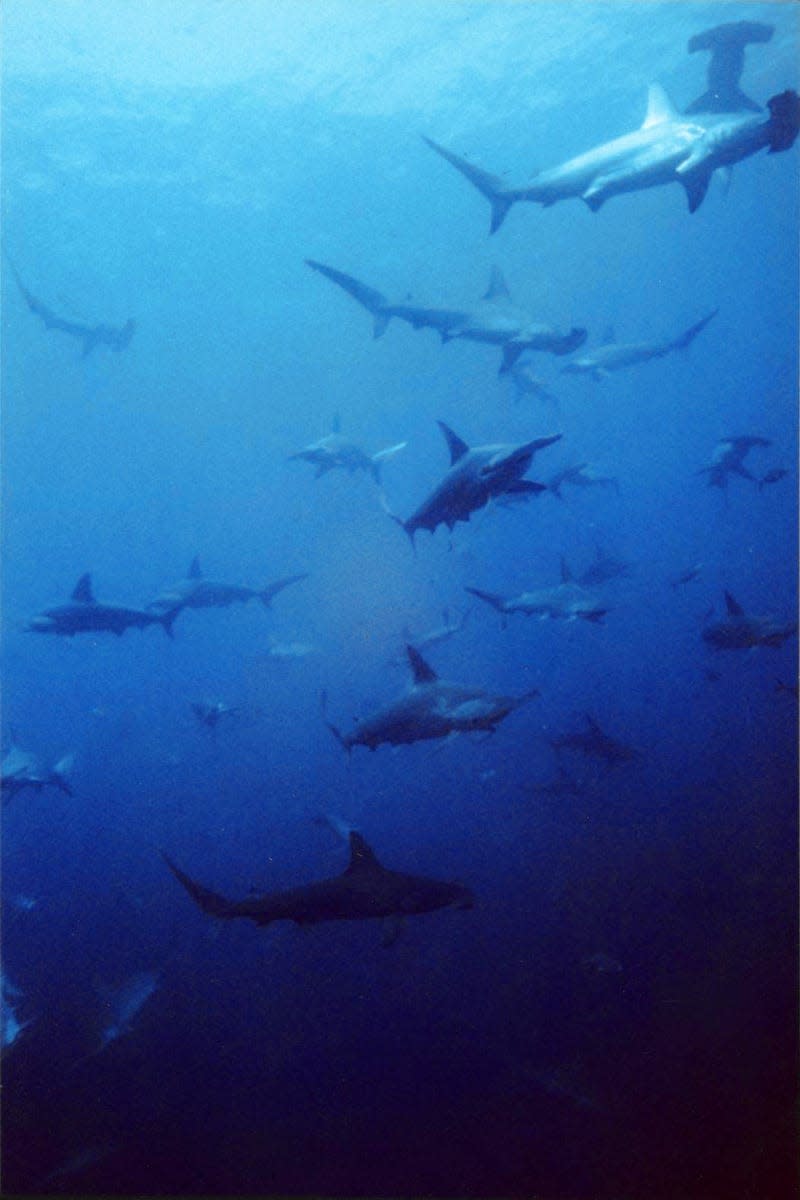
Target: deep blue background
[[177, 162]]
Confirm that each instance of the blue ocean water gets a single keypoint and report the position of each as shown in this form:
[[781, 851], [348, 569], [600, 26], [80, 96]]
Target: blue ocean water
[[616, 1016]]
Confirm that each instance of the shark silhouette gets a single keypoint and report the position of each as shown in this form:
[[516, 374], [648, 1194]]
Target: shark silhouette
[[195, 591], [431, 708], [616, 356], [494, 319], [90, 335], [728, 459], [336, 451], [582, 475], [742, 631], [83, 614], [21, 769], [365, 890], [567, 601], [594, 743], [477, 475]]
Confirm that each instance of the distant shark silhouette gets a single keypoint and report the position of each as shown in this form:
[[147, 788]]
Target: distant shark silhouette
[[21, 769], [89, 335], [728, 459], [365, 890], [11, 1028], [449, 627], [83, 614], [604, 568], [582, 475], [431, 708], [528, 383], [336, 451], [616, 356], [477, 475], [668, 148], [742, 631], [594, 743], [567, 601], [211, 712], [685, 576], [494, 319], [195, 591]]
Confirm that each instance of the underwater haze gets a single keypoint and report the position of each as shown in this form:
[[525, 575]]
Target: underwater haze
[[615, 1014]]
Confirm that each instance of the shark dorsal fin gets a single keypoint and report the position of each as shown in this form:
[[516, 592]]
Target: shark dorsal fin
[[336, 425], [659, 107], [498, 288], [361, 855], [734, 607], [458, 447], [194, 571], [566, 574], [82, 591], [422, 672]]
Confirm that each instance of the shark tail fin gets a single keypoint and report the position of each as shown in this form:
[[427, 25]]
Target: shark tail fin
[[210, 902], [490, 186], [167, 619], [685, 339], [60, 772], [409, 532], [271, 590], [369, 298], [497, 601], [383, 456]]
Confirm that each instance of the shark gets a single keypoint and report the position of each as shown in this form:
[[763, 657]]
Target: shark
[[616, 356], [450, 626], [477, 475], [90, 336], [336, 451], [604, 568], [11, 1028], [668, 147], [431, 708], [728, 459], [740, 630], [592, 742], [365, 890], [686, 576], [195, 591], [22, 769], [211, 712], [774, 475], [727, 44], [494, 319], [83, 614], [567, 601], [122, 1005], [581, 475], [528, 383]]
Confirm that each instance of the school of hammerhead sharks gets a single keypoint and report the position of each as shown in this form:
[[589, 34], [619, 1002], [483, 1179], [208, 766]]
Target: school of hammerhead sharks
[[718, 130]]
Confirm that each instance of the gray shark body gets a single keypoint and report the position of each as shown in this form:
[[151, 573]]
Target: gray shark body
[[195, 591], [617, 356], [83, 614], [604, 569], [667, 148], [431, 708], [567, 601], [582, 475], [366, 890], [90, 336], [592, 742], [449, 627], [336, 452], [494, 319], [728, 459], [477, 475], [21, 769], [742, 631]]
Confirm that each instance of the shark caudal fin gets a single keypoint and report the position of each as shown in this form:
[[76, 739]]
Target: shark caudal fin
[[210, 902], [726, 43], [408, 530], [167, 619], [266, 594], [497, 601], [490, 186], [370, 298], [377, 460], [685, 339], [60, 772]]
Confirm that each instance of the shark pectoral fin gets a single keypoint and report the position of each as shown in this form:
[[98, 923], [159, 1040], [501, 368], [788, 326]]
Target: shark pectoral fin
[[511, 352], [421, 671], [391, 929], [696, 186], [734, 608], [380, 324]]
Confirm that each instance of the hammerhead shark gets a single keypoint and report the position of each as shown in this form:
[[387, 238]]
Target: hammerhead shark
[[83, 614], [582, 475], [195, 591], [493, 319], [430, 708], [742, 631], [477, 475], [365, 890], [669, 147], [616, 356], [450, 626], [728, 459], [604, 568], [594, 743], [22, 769], [528, 383], [337, 451], [90, 335], [211, 712], [567, 601]]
